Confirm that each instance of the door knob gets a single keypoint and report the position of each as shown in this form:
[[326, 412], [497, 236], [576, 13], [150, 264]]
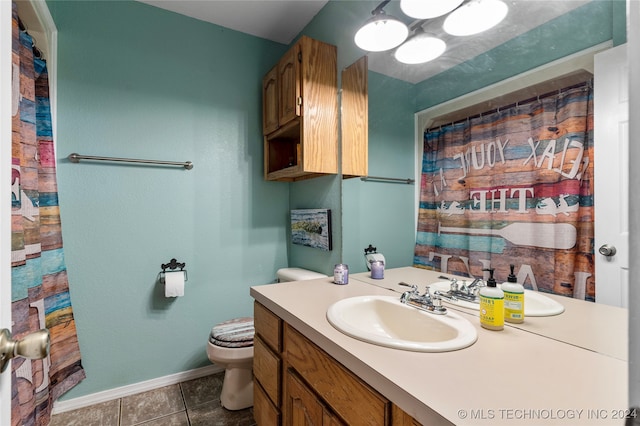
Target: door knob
[[607, 250], [33, 346]]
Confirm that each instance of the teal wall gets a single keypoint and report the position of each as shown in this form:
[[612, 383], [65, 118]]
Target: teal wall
[[580, 29], [136, 81], [380, 213]]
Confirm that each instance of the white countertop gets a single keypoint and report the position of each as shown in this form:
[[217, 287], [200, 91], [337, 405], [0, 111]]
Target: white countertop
[[594, 326], [521, 375]]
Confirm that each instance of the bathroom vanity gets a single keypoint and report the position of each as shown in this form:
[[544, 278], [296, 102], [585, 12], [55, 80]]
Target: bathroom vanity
[[564, 369]]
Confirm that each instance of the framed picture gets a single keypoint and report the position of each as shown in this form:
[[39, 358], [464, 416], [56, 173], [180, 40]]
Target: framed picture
[[312, 228]]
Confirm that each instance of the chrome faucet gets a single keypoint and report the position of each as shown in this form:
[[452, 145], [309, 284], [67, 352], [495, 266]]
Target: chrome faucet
[[424, 302], [460, 290]]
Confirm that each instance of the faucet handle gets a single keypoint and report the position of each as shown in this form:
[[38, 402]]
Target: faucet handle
[[406, 296], [427, 293], [414, 288], [437, 303]]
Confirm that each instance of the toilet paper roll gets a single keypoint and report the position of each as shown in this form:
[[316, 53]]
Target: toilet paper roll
[[174, 284]]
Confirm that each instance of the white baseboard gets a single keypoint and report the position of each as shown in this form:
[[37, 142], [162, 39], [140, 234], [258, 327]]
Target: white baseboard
[[121, 392]]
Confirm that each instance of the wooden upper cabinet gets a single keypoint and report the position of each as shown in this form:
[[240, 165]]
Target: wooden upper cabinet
[[305, 142], [289, 79], [270, 101], [355, 119]]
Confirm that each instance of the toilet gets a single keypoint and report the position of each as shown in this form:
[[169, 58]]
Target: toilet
[[230, 346]]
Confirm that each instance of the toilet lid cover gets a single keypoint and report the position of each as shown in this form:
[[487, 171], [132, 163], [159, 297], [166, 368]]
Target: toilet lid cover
[[235, 333]]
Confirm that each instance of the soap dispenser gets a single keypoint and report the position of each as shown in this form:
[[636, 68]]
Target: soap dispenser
[[491, 305], [513, 299]]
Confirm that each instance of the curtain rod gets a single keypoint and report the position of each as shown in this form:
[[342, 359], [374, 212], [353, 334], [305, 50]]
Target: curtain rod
[[588, 83], [75, 158], [408, 181]]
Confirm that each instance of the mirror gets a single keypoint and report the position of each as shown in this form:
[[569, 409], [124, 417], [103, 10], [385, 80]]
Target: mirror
[[384, 214], [554, 30]]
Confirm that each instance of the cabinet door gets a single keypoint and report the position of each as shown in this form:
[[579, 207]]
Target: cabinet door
[[270, 101], [346, 394], [302, 408], [328, 419], [289, 85], [355, 119]]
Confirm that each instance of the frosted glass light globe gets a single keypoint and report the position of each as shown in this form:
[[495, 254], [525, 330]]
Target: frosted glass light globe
[[475, 17], [420, 49], [380, 33]]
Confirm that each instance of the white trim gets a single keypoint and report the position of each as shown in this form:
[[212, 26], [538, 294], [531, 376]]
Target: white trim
[[49, 30], [633, 43], [123, 391], [5, 196]]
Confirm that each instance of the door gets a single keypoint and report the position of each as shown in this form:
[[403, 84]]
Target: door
[[5, 196], [611, 168]]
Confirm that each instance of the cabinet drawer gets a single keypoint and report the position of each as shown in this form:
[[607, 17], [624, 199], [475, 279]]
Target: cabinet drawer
[[266, 369], [264, 412], [268, 326], [351, 398]]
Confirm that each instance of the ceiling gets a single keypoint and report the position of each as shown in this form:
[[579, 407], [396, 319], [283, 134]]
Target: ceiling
[[282, 20], [275, 20]]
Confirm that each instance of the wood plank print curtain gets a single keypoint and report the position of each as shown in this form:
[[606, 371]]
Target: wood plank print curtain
[[513, 187], [40, 290]]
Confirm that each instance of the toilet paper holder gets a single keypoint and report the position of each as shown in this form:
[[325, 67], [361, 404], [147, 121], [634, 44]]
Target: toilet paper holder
[[173, 264]]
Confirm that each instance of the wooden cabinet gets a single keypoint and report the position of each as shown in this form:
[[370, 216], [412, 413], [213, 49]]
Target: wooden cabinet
[[270, 101], [300, 113], [297, 383], [354, 119], [303, 407], [350, 398], [267, 367], [290, 82]]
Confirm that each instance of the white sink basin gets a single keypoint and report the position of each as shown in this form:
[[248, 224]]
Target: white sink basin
[[384, 321], [535, 303]]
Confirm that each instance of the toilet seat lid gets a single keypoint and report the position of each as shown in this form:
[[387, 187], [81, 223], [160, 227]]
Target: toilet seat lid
[[235, 333]]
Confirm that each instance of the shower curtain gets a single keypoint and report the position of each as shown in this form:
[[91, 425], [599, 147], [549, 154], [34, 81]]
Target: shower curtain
[[513, 187], [39, 286]]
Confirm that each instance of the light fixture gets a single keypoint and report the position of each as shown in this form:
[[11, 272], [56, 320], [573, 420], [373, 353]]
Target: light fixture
[[420, 48], [475, 17], [381, 32], [427, 9]]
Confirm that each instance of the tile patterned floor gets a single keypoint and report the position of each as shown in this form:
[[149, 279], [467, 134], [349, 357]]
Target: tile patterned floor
[[192, 403]]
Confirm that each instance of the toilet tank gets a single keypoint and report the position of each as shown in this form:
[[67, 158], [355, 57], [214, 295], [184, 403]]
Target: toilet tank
[[297, 274]]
